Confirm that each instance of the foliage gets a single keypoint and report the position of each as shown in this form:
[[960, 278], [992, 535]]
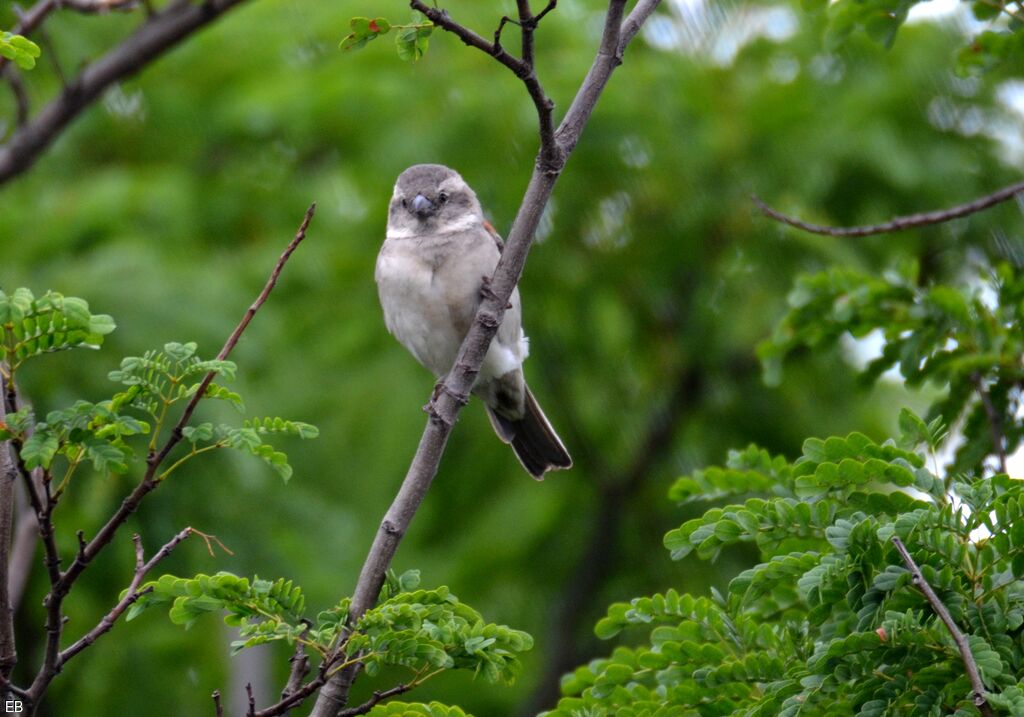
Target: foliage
[[403, 709], [19, 49], [966, 338], [829, 621], [51, 322], [425, 631], [1000, 45], [411, 40], [102, 433]]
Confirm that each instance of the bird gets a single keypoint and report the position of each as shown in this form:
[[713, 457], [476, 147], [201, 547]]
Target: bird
[[436, 262]]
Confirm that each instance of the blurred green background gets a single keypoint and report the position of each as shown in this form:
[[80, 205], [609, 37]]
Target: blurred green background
[[653, 279]]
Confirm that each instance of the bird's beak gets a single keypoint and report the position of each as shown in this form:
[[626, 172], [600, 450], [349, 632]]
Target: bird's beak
[[423, 207]]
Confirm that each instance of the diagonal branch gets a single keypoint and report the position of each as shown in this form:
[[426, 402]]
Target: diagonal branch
[[88, 550], [377, 697], [445, 407], [550, 155], [899, 224], [159, 34], [958, 637], [131, 596]]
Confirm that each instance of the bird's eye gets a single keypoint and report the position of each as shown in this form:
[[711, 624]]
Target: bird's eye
[[442, 197]]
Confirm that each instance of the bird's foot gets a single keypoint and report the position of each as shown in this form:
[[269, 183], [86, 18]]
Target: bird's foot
[[486, 292], [431, 407]]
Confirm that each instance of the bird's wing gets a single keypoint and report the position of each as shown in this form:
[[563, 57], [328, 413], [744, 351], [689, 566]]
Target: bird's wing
[[494, 235]]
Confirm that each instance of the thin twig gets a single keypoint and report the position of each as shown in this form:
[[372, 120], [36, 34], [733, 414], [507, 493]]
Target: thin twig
[[550, 156], [977, 685], [505, 19], [218, 708], [251, 711], [131, 596], [155, 37], [148, 483], [911, 221], [526, 28], [445, 405], [287, 703], [100, 7], [994, 423], [299, 666], [377, 697]]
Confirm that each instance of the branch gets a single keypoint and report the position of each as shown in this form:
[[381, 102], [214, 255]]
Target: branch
[[446, 404], [88, 551], [526, 28], [549, 155], [8, 477], [158, 35], [99, 7], [218, 708], [300, 667], [958, 637], [994, 422], [899, 224], [376, 698], [131, 596], [287, 703]]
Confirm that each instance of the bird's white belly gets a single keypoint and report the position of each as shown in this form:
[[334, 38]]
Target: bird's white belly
[[419, 313], [416, 313]]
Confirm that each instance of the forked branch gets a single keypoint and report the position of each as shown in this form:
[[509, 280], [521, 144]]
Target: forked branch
[[446, 404]]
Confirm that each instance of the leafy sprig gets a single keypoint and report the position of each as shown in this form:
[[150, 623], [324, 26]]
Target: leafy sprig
[[411, 39], [22, 51]]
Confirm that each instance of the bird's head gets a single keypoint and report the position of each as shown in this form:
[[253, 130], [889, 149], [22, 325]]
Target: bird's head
[[432, 199]]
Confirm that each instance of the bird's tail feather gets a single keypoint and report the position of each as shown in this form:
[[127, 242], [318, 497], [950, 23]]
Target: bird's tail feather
[[534, 441]]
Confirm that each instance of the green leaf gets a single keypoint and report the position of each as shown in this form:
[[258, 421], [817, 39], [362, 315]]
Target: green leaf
[[40, 448]]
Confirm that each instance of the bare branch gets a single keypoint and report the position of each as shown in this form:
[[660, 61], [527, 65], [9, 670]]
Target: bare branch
[[300, 666], [51, 658], [251, 711], [131, 595], [158, 35], [958, 637], [899, 224], [446, 404], [549, 156], [218, 708], [526, 27], [375, 699], [8, 479], [100, 7]]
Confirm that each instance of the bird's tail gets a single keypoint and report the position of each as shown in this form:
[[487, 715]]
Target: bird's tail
[[534, 441]]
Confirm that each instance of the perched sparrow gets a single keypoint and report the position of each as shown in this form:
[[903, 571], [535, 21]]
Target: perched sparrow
[[438, 255]]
